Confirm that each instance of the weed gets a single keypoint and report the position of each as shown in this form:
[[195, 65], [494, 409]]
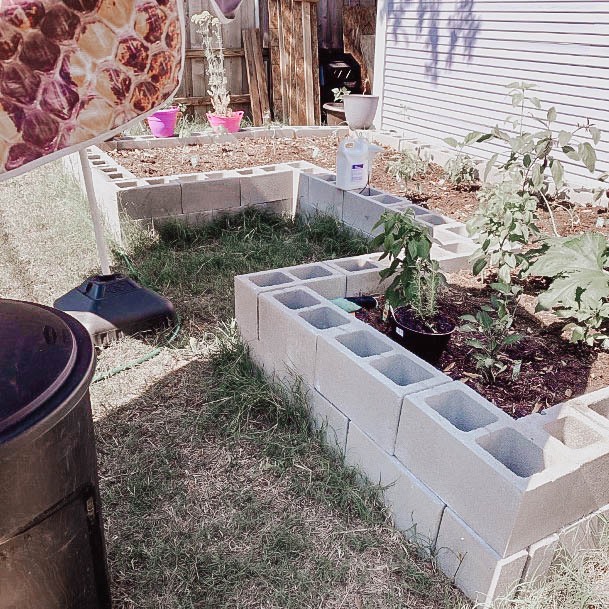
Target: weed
[[407, 165]]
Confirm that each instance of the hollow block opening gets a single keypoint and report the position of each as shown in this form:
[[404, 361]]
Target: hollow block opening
[[356, 265], [298, 299], [433, 219], [268, 279], [387, 199], [460, 410], [601, 408], [513, 450], [401, 370], [363, 344], [572, 432], [310, 272], [324, 318]]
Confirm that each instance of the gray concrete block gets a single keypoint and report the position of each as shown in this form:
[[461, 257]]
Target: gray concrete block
[[325, 196], [453, 257], [265, 184], [327, 418], [476, 568], [584, 442], [362, 212], [362, 274], [150, 201], [367, 388], [500, 481], [319, 277], [541, 554], [415, 510], [247, 288], [291, 334], [212, 191], [587, 533], [594, 405]]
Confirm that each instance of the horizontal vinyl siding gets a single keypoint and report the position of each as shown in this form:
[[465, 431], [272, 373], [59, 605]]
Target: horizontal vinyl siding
[[435, 85]]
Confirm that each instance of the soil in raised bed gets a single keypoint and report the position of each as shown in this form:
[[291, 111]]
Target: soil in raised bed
[[430, 190], [553, 370]]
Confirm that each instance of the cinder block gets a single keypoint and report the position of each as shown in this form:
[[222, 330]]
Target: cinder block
[[594, 405], [151, 201], [321, 131], [585, 443], [362, 212], [319, 277], [289, 327], [215, 190], [416, 511], [199, 218], [367, 388], [247, 288], [501, 483], [541, 554], [324, 196], [585, 534], [477, 569], [453, 257], [263, 184], [329, 419], [285, 207], [362, 274]]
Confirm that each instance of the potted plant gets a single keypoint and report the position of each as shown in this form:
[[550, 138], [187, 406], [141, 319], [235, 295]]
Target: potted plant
[[360, 110], [222, 118], [413, 297], [162, 123]]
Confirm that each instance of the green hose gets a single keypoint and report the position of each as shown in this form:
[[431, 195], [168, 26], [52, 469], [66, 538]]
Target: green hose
[[102, 376]]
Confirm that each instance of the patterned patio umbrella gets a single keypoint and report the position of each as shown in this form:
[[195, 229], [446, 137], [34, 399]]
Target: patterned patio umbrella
[[75, 72]]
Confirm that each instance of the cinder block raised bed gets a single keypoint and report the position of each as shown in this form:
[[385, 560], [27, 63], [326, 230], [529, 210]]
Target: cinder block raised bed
[[493, 497]]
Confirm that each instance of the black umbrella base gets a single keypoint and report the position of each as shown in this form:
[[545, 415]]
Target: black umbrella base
[[111, 306]]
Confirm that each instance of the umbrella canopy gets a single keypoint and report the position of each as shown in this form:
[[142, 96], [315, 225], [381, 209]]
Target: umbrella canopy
[[76, 72]]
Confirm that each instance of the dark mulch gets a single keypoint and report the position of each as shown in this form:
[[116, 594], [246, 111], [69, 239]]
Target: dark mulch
[[553, 370]]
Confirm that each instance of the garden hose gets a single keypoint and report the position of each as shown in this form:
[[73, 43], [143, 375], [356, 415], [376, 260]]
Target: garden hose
[[102, 376]]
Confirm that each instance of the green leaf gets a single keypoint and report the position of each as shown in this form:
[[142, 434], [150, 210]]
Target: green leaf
[[489, 165], [479, 266], [535, 101], [564, 137], [595, 132], [558, 173], [588, 155], [469, 318], [512, 339], [571, 153], [452, 142], [551, 115]]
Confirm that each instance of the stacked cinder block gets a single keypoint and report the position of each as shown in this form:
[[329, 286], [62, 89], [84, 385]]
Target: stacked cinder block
[[493, 498]]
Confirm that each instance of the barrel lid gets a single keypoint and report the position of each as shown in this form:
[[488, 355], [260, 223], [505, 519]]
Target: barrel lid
[[37, 354]]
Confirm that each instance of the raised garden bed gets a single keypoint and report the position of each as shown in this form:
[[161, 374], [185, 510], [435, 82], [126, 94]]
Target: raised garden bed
[[496, 498]]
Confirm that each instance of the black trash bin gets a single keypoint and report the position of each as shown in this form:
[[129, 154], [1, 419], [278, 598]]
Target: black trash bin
[[52, 551]]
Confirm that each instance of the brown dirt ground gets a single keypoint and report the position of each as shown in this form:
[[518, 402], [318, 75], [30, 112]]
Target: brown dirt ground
[[553, 370]]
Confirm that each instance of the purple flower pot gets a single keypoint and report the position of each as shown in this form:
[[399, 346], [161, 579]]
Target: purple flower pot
[[225, 124], [163, 122]]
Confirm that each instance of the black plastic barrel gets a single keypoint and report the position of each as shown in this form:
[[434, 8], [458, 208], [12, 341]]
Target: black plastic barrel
[[52, 551]]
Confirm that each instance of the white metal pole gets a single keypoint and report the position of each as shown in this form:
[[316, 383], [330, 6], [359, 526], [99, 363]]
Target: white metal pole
[[102, 250]]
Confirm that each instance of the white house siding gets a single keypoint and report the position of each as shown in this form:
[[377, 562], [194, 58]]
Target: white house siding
[[442, 66]]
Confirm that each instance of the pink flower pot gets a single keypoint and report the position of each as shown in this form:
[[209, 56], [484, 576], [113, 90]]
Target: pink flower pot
[[225, 124], [163, 122]]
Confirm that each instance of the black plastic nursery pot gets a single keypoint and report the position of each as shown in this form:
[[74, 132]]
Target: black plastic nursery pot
[[427, 345]]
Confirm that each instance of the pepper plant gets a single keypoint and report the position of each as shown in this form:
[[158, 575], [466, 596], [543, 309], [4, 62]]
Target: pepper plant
[[417, 279]]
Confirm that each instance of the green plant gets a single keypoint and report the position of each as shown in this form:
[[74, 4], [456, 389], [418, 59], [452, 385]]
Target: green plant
[[406, 165], [461, 170], [493, 324], [533, 156], [340, 93], [211, 35], [505, 220], [417, 279], [580, 284]]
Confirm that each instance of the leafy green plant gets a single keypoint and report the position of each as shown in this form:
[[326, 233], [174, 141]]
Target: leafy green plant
[[533, 156], [493, 324], [407, 165], [340, 93], [505, 220], [417, 279], [580, 284], [461, 170]]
